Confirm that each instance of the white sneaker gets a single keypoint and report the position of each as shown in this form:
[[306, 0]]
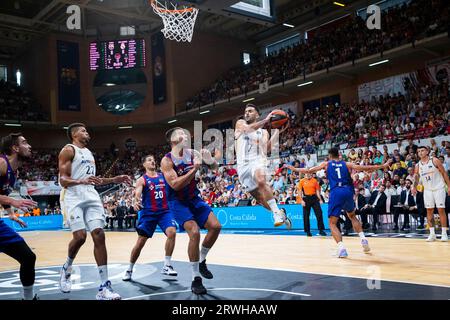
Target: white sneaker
[[444, 237], [287, 221], [169, 271], [65, 282], [127, 275], [105, 292], [431, 238], [365, 245], [278, 219]]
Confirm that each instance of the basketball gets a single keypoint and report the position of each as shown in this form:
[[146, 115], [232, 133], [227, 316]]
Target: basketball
[[279, 119]]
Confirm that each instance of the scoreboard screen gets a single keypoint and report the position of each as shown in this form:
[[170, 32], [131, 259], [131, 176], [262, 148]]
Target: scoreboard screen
[[117, 54]]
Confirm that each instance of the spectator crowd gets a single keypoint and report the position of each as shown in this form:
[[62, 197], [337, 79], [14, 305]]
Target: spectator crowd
[[350, 41]]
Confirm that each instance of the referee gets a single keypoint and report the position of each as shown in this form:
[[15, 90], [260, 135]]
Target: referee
[[309, 191]]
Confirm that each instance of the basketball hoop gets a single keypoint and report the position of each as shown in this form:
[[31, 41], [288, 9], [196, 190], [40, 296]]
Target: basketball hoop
[[178, 23]]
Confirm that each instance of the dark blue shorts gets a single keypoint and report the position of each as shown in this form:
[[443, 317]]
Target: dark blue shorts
[[341, 198], [195, 209], [147, 223], [7, 235]]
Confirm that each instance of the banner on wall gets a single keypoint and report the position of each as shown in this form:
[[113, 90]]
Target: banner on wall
[[42, 188], [68, 76], [51, 222], [159, 68], [436, 74], [256, 217], [382, 87]]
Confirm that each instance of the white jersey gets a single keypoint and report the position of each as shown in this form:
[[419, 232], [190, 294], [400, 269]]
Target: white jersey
[[83, 166], [430, 176], [250, 148]]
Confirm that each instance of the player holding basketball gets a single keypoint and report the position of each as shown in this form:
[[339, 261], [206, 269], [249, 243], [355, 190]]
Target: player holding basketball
[[82, 206], [15, 149], [433, 177], [252, 143], [151, 200], [341, 195], [179, 167]]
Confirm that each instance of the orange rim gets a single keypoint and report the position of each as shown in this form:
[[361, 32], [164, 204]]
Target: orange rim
[[169, 11]]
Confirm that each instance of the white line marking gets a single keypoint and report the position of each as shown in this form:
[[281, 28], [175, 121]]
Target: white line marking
[[7, 293], [335, 275], [221, 289]]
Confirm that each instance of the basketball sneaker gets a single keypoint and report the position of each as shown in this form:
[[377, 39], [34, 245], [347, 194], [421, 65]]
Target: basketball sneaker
[[105, 292], [287, 221], [65, 282], [365, 245], [278, 219], [203, 269], [197, 286], [169, 271], [444, 237], [342, 253], [431, 238], [127, 275]]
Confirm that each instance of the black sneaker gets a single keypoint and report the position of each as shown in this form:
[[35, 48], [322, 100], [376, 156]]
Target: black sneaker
[[204, 270], [308, 234], [323, 233], [34, 298], [395, 228], [197, 286]]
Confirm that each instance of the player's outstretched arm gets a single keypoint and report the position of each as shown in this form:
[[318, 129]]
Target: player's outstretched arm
[[358, 167], [65, 170], [441, 169], [117, 180], [243, 127], [138, 194], [319, 167], [294, 169], [175, 182]]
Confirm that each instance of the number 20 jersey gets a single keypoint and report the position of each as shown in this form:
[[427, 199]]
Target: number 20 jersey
[[154, 195]]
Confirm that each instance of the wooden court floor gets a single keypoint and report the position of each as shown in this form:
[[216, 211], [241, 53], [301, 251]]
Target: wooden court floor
[[404, 260]]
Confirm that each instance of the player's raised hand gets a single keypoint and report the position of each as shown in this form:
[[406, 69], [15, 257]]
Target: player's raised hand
[[285, 127], [123, 179], [20, 222], [137, 205], [23, 204]]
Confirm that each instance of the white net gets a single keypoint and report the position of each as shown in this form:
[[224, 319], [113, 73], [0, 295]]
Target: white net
[[178, 23]]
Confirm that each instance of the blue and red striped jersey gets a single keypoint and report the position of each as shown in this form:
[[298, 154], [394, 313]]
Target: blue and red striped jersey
[[182, 166], [154, 195], [7, 181]]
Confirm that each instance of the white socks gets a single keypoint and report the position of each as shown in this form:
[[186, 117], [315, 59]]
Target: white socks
[[68, 264], [361, 235], [203, 252], [432, 231], [167, 260], [28, 293], [195, 269], [341, 245], [130, 267], [103, 272], [444, 231], [273, 206]]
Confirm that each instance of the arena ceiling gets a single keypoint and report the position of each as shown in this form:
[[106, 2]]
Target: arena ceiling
[[22, 21]]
